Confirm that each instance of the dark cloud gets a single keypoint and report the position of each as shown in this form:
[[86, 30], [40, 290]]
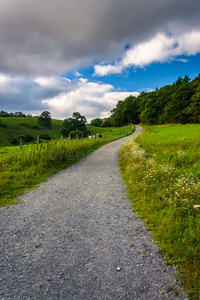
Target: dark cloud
[[48, 36]]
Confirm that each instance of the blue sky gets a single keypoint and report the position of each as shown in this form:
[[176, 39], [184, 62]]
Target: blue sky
[[68, 56], [147, 78]]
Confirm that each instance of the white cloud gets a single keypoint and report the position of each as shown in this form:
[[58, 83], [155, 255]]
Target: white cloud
[[161, 48], [104, 70], [89, 98], [77, 74], [52, 82], [59, 95]]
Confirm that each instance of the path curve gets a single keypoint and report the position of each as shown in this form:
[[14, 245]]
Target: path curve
[[76, 237]]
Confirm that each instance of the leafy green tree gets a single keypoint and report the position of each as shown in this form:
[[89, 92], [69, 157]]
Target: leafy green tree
[[117, 114], [4, 114], [96, 122], [175, 110], [19, 114], [77, 122], [193, 110], [130, 112], [45, 119], [107, 122]]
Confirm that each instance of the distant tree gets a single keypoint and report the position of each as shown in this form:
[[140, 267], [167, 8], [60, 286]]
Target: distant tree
[[19, 114], [175, 110], [193, 110], [96, 122], [107, 122], [130, 111], [4, 114], [117, 114], [45, 119], [77, 122]]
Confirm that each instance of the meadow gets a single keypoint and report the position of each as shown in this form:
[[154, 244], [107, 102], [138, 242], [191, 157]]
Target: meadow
[[161, 168], [20, 170]]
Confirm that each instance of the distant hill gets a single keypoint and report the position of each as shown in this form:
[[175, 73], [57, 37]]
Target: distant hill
[[12, 128]]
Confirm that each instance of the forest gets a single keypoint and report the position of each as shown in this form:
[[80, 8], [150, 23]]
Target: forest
[[176, 103]]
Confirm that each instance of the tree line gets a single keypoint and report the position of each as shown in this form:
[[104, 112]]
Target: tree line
[[176, 103]]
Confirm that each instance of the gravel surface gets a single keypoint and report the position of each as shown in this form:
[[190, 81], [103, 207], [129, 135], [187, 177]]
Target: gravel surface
[[76, 237]]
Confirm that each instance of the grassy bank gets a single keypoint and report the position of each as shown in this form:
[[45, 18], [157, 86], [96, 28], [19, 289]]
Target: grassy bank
[[16, 127], [21, 170], [162, 170]]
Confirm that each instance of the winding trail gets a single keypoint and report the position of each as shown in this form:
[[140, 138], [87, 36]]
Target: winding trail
[[76, 237]]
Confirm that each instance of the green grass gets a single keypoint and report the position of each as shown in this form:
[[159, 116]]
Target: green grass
[[100, 130], [21, 170], [24, 126], [162, 170]]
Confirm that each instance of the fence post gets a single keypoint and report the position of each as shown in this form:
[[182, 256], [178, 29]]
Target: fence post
[[38, 139], [61, 137], [87, 136], [20, 143], [70, 137]]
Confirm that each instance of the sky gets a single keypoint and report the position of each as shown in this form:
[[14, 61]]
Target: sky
[[68, 56]]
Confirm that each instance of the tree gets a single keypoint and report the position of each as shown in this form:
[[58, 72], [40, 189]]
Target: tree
[[193, 110], [77, 122], [45, 119], [4, 114], [117, 115], [107, 122], [130, 111], [96, 122], [175, 110], [19, 114]]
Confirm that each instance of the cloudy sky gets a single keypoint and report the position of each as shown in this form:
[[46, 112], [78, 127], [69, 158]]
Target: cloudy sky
[[85, 55]]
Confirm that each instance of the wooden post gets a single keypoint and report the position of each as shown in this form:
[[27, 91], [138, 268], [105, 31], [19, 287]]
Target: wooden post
[[70, 137], [20, 143], [38, 139], [61, 137]]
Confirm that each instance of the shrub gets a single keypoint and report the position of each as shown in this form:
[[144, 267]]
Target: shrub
[[14, 140], [28, 138]]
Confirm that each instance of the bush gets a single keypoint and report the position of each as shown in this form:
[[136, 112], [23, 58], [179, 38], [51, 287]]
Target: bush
[[28, 138], [14, 140], [76, 133], [45, 136]]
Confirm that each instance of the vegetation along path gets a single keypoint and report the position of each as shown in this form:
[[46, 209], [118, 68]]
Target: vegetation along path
[[76, 237]]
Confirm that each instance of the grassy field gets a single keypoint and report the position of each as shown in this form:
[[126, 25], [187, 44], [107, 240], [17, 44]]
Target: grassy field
[[23, 169], [16, 127], [100, 130], [162, 170]]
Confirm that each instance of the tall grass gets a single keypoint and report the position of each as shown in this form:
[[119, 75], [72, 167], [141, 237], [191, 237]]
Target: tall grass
[[162, 171], [21, 170]]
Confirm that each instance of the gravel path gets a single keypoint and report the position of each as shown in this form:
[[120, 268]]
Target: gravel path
[[76, 237]]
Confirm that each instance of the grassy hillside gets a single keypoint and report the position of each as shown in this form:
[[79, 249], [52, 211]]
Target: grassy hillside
[[100, 130], [162, 170], [16, 127]]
